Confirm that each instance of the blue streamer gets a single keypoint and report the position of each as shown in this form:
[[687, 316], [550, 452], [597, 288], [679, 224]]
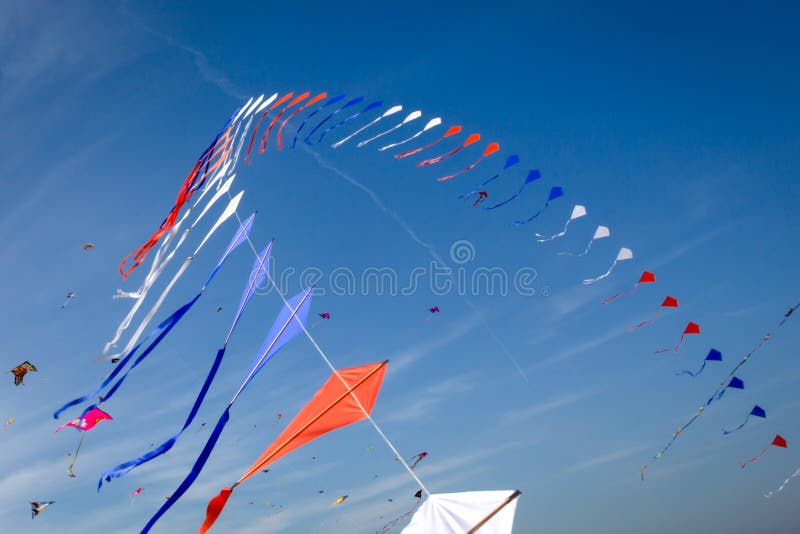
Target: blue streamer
[[352, 102], [368, 107], [757, 411], [329, 102], [510, 162]]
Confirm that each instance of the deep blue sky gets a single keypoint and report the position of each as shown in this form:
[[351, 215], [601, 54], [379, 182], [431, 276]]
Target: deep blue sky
[[677, 127]]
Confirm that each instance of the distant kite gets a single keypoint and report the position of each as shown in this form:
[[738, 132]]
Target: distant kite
[[134, 494], [10, 421], [417, 459], [622, 255], [778, 441], [482, 195], [713, 356], [88, 246], [453, 130], [555, 193], [600, 233], [488, 151], [38, 507], [71, 295], [577, 212], [669, 302], [691, 328], [391, 111], [757, 411], [512, 160], [339, 500], [533, 175], [21, 370], [646, 278]]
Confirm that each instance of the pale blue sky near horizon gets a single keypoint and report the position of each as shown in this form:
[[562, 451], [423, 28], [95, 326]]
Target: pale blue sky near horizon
[[677, 127]]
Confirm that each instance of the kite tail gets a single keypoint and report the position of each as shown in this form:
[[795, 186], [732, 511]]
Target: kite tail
[[194, 473], [439, 159], [755, 458], [726, 432], [562, 233], [687, 372], [390, 130], [621, 293], [520, 223], [645, 323], [462, 171], [342, 141], [607, 273], [416, 150]]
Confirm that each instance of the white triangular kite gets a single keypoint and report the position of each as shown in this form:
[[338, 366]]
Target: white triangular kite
[[459, 513]]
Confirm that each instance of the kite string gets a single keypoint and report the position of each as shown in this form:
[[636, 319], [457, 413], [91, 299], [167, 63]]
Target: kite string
[[336, 372]]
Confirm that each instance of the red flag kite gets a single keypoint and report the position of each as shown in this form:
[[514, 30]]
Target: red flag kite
[[646, 278], [669, 302], [347, 397], [777, 442], [691, 328]]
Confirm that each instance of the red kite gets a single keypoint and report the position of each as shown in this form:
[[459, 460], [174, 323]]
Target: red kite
[[777, 442], [691, 328], [669, 302], [646, 278]]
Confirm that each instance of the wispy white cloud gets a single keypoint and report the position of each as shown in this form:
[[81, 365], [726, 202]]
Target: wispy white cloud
[[603, 459], [541, 408]]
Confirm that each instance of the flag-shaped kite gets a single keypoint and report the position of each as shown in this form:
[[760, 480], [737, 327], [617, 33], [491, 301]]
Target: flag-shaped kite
[[533, 175], [669, 302], [622, 255], [346, 397], [757, 411], [512, 160], [713, 356], [777, 442], [646, 278], [577, 212], [733, 383], [555, 193], [691, 328], [600, 233]]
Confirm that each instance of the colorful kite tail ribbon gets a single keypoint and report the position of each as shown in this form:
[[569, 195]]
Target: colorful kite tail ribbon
[[295, 113], [265, 139], [755, 458], [451, 131]]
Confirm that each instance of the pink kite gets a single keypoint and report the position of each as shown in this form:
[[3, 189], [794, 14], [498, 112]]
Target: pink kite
[[777, 442], [88, 421], [646, 278], [691, 328], [669, 302]]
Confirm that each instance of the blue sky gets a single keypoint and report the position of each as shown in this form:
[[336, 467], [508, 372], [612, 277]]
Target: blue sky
[[675, 125]]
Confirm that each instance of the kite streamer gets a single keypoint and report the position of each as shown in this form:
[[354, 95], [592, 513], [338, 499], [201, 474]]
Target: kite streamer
[[622, 255], [162, 329], [785, 482], [669, 302], [453, 130], [391, 111], [257, 277], [348, 104], [393, 523], [577, 212], [346, 398], [417, 458], [691, 328], [488, 151], [342, 122], [778, 441], [555, 192], [473, 138], [330, 102], [296, 309], [646, 278], [277, 103], [414, 115], [757, 411], [431, 124], [265, 139], [713, 356], [600, 233], [295, 113], [510, 162]]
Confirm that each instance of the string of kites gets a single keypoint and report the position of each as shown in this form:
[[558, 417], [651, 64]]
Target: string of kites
[[349, 394]]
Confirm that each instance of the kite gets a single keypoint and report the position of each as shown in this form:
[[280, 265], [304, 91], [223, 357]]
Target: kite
[[339, 500], [352, 102], [482, 195], [21, 370], [278, 418], [38, 507], [414, 115], [490, 512], [70, 295], [733, 383], [669, 302], [430, 124], [330, 102], [622, 255], [88, 420], [391, 111], [785, 482], [291, 321], [346, 397], [219, 309], [88, 246], [10, 421], [646, 278], [322, 317], [691, 328], [257, 276], [473, 138], [369, 107], [600, 233], [533, 175], [577, 212], [777, 442], [295, 113], [713, 356], [393, 523], [490, 149], [431, 311], [757, 411], [417, 458], [453, 130], [134, 494], [555, 193], [510, 162], [269, 101], [265, 139]]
